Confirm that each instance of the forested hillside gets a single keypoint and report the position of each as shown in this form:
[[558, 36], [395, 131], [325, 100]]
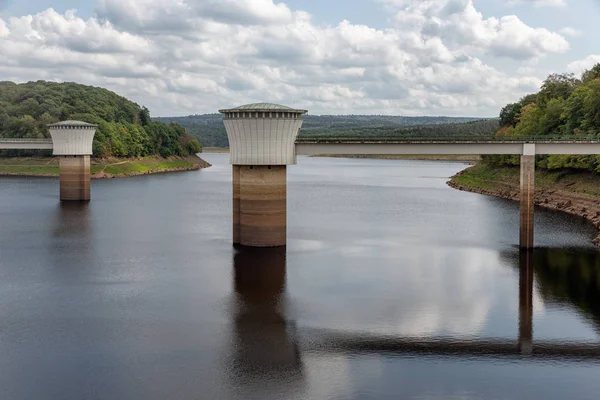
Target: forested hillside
[[210, 131], [566, 105], [124, 128]]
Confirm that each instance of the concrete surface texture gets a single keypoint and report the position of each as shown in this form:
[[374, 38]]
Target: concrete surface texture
[[72, 138], [262, 134], [527, 201], [263, 203], [74, 178]]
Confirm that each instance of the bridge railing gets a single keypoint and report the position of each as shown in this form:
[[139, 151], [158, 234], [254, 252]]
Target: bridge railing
[[449, 139]]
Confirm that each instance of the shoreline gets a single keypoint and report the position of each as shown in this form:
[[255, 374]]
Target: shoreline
[[560, 195], [108, 168]]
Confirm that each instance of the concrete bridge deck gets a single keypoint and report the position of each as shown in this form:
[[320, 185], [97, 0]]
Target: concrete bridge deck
[[438, 146], [25, 144]]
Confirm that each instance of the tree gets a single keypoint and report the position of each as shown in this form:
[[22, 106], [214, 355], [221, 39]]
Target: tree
[[551, 120], [44, 120], [575, 113], [591, 108], [145, 116], [529, 120], [591, 74], [509, 114], [25, 126], [29, 107], [557, 86], [528, 99]]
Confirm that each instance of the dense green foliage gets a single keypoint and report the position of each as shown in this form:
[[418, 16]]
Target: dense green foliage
[[124, 129], [564, 106], [210, 131]]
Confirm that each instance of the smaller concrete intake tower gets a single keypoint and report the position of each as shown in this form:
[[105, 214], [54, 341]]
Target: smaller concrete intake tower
[[72, 143], [262, 140]]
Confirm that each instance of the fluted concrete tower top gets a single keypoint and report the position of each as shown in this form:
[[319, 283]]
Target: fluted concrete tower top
[[262, 133], [72, 138]]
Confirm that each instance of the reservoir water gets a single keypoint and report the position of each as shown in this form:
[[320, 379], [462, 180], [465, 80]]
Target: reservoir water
[[392, 285]]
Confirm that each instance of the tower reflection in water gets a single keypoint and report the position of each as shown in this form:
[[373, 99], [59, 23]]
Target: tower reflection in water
[[526, 301], [265, 345]]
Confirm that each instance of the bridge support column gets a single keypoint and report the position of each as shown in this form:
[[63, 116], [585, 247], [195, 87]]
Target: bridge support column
[[262, 205], [527, 197], [74, 178]]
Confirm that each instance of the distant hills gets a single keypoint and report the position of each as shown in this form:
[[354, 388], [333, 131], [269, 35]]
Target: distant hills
[[209, 129], [126, 130]]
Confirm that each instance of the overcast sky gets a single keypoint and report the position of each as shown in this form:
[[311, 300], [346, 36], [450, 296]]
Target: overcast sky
[[402, 57]]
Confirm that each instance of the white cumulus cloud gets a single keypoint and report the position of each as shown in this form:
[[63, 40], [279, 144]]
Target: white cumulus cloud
[[180, 56], [573, 32], [577, 67], [540, 3]]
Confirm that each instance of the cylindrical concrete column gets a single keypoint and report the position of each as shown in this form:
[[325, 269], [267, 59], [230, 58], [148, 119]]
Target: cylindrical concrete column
[[74, 178], [263, 198], [527, 201], [236, 203], [72, 143], [262, 140]]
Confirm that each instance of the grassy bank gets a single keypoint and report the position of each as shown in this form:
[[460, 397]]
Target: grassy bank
[[101, 168], [482, 176], [573, 192], [405, 157]]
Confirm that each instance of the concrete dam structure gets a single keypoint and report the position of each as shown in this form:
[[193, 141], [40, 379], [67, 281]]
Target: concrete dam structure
[[72, 143]]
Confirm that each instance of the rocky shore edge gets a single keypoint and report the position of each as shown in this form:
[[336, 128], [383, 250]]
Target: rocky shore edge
[[579, 204]]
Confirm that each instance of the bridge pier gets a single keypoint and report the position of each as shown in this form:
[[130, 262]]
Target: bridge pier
[[262, 144], [527, 197], [72, 143]]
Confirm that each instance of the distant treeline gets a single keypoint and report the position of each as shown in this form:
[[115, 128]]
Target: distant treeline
[[209, 129], [564, 106], [485, 127], [124, 128]]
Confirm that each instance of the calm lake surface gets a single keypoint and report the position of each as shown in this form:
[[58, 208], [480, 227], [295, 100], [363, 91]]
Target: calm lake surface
[[392, 285]]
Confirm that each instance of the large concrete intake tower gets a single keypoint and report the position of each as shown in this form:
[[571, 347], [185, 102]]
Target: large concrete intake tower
[[262, 140], [72, 143]]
